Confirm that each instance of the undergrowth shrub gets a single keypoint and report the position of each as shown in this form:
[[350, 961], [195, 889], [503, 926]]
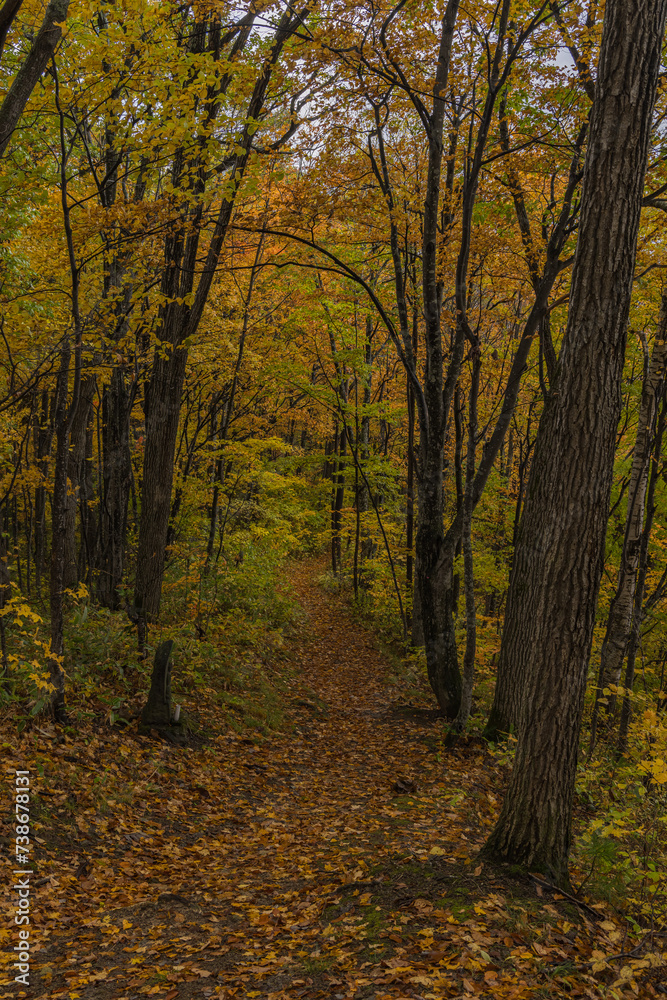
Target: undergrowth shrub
[[620, 849], [228, 615]]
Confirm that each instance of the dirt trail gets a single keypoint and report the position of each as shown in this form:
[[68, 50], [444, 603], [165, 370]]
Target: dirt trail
[[291, 866], [340, 661]]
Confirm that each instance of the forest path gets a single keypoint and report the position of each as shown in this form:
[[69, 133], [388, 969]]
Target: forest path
[[293, 865], [339, 656]]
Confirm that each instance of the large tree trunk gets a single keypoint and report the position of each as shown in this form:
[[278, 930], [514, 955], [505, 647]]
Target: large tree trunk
[[560, 548], [619, 622]]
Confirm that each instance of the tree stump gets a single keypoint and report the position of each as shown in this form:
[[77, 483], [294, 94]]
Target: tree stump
[[157, 711]]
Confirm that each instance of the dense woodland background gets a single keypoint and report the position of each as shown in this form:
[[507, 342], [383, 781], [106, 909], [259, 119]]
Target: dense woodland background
[[282, 280]]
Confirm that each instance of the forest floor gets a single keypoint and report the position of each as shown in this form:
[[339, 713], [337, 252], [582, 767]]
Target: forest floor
[[333, 859]]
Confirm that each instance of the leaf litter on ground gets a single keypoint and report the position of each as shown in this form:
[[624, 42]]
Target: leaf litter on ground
[[333, 859]]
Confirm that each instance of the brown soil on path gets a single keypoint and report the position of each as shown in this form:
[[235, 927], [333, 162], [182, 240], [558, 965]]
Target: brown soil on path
[[339, 659], [292, 866]]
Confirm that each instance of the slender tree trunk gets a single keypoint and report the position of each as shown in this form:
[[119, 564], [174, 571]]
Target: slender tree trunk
[[508, 694], [507, 471], [43, 439], [63, 419], [410, 484], [642, 568], [58, 525], [164, 408], [115, 487], [360, 497], [435, 549], [75, 475], [117, 399], [368, 546], [549, 626], [216, 477], [357, 519], [15, 550], [417, 631], [410, 500], [414, 620], [436, 591], [5, 593], [87, 506], [434, 568], [468, 565], [397, 587], [337, 499], [621, 611], [228, 408], [458, 482], [358, 449]]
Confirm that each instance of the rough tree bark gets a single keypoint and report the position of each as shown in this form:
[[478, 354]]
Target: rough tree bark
[[549, 625], [158, 711]]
